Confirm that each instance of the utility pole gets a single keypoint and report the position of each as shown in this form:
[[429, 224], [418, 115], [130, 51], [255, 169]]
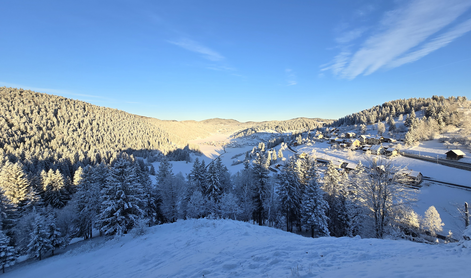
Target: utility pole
[[466, 214]]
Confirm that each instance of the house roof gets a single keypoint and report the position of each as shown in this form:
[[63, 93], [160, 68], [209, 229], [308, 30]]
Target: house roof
[[410, 173], [376, 147], [457, 152], [351, 166], [391, 149]]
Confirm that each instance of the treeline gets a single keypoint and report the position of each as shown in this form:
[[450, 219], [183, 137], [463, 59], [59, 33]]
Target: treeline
[[41, 213], [444, 110], [373, 201], [297, 125]]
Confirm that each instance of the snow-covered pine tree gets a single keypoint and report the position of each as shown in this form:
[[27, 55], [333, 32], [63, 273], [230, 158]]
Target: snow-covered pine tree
[[56, 238], [198, 175], [7, 252], [337, 212], [149, 198], [243, 188], [229, 207], [54, 193], [196, 207], [213, 190], [172, 193], [432, 221], [289, 197], [260, 174], [280, 153], [224, 175], [315, 206], [39, 243], [86, 202], [165, 171], [120, 206], [15, 185]]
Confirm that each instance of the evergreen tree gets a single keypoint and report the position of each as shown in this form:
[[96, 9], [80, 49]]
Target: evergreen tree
[[165, 171], [87, 201], [315, 207], [289, 197], [198, 175], [280, 153], [196, 206], [213, 190], [7, 253], [56, 239], [260, 174], [39, 243], [15, 185], [120, 206], [244, 190], [54, 193], [432, 221], [337, 212]]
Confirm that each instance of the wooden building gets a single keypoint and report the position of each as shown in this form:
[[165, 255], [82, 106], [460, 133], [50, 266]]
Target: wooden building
[[377, 149], [454, 154]]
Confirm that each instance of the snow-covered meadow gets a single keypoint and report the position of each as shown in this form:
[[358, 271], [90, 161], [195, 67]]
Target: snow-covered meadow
[[227, 248]]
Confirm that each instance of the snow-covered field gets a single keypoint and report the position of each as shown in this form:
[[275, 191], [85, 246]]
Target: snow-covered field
[[226, 248]]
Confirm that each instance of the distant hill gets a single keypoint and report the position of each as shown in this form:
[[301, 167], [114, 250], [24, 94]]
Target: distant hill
[[438, 107], [293, 125], [43, 127]]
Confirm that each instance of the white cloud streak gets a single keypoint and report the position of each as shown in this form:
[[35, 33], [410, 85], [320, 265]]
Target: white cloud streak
[[433, 45], [291, 77], [350, 35], [400, 31], [196, 47]]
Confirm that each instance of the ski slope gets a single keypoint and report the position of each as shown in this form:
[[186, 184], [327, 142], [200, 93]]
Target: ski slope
[[226, 248]]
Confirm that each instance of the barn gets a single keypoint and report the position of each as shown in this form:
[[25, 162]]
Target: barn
[[454, 154]]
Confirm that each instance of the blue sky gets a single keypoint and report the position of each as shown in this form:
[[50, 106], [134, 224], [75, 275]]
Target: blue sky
[[238, 59]]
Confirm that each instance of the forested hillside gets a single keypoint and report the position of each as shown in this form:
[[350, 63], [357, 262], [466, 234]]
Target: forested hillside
[[444, 110], [298, 124]]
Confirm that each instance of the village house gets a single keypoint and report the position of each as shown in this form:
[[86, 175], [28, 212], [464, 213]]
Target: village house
[[362, 139], [348, 166], [332, 139], [412, 177], [454, 154], [350, 135], [391, 151], [353, 143], [373, 140], [377, 149]]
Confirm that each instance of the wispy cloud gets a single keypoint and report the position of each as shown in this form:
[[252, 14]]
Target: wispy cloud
[[196, 47], [291, 77], [220, 68], [350, 35], [399, 32]]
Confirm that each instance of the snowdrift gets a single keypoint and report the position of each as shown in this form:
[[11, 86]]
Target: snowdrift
[[226, 248]]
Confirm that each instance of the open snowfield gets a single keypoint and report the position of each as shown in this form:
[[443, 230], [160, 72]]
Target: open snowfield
[[226, 248]]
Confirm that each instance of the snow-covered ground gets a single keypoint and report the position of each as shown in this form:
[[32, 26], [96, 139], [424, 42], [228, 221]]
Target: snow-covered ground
[[226, 248], [445, 199]]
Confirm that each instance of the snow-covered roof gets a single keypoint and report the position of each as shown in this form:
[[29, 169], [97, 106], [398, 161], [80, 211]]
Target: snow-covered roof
[[376, 147], [351, 166], [411, 173], [391, 149], [457, 152]]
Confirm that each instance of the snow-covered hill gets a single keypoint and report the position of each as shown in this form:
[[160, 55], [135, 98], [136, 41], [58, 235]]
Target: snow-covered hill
[[226, 248]]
